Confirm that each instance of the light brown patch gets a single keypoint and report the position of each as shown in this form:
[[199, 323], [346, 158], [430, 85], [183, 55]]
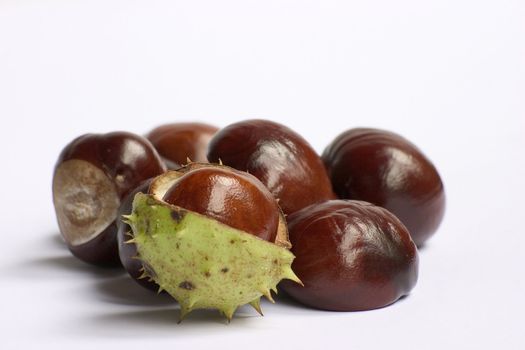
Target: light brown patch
[[86, 200]]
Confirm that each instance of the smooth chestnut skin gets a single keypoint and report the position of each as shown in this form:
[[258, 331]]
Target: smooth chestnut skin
[[284, 162], [128, 251], [234, 198], [177, 142], [92, 175], [351, 256], [384, 168]]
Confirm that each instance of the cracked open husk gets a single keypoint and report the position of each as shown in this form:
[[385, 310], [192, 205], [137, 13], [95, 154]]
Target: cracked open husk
[[203, 263]]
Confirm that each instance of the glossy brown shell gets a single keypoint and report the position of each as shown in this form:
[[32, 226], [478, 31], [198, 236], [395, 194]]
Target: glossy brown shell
[[126, 159], [386, 169], [280, 158], [351, 256], [177, 142], [235, 198]]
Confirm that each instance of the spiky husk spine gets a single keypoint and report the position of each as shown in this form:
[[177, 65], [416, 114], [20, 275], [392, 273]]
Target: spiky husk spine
[[203, 263]]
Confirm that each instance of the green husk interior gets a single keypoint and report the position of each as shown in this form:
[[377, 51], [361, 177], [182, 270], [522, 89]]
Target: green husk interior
[[203, 263]]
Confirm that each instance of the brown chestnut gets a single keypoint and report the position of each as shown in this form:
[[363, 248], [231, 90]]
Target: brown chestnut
[[232, 197], [351, 256], [92, 175], [384, 168], [178, 142], [280, 158], [128, 251]]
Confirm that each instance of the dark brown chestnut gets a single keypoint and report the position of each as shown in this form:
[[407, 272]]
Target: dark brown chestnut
[[384, 168], [92, 175], [351, 256], [128, 251], [232, 197], [284, 162], [178, 142]]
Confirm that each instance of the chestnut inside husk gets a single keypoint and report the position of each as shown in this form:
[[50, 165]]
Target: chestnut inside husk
[[200, 261]]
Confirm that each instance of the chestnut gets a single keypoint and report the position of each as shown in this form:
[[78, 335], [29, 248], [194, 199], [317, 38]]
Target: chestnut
[[178, 142], [91, 177], [384, 168], [232, 197], [221, 193], [351, 256], [128, 251], [188, 232], [280, 158]]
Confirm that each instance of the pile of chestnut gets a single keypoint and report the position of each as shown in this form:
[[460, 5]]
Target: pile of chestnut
[[355, 215]]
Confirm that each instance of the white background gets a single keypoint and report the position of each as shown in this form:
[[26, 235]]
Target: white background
[[449, 75]]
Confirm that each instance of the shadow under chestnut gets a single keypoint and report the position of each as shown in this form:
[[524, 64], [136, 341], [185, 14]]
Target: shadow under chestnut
[[136, 307]]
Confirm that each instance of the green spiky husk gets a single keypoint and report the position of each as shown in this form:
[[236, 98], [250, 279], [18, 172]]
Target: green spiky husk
[[203, 263]]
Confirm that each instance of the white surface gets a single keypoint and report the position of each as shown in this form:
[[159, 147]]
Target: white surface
[[448, 75]]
